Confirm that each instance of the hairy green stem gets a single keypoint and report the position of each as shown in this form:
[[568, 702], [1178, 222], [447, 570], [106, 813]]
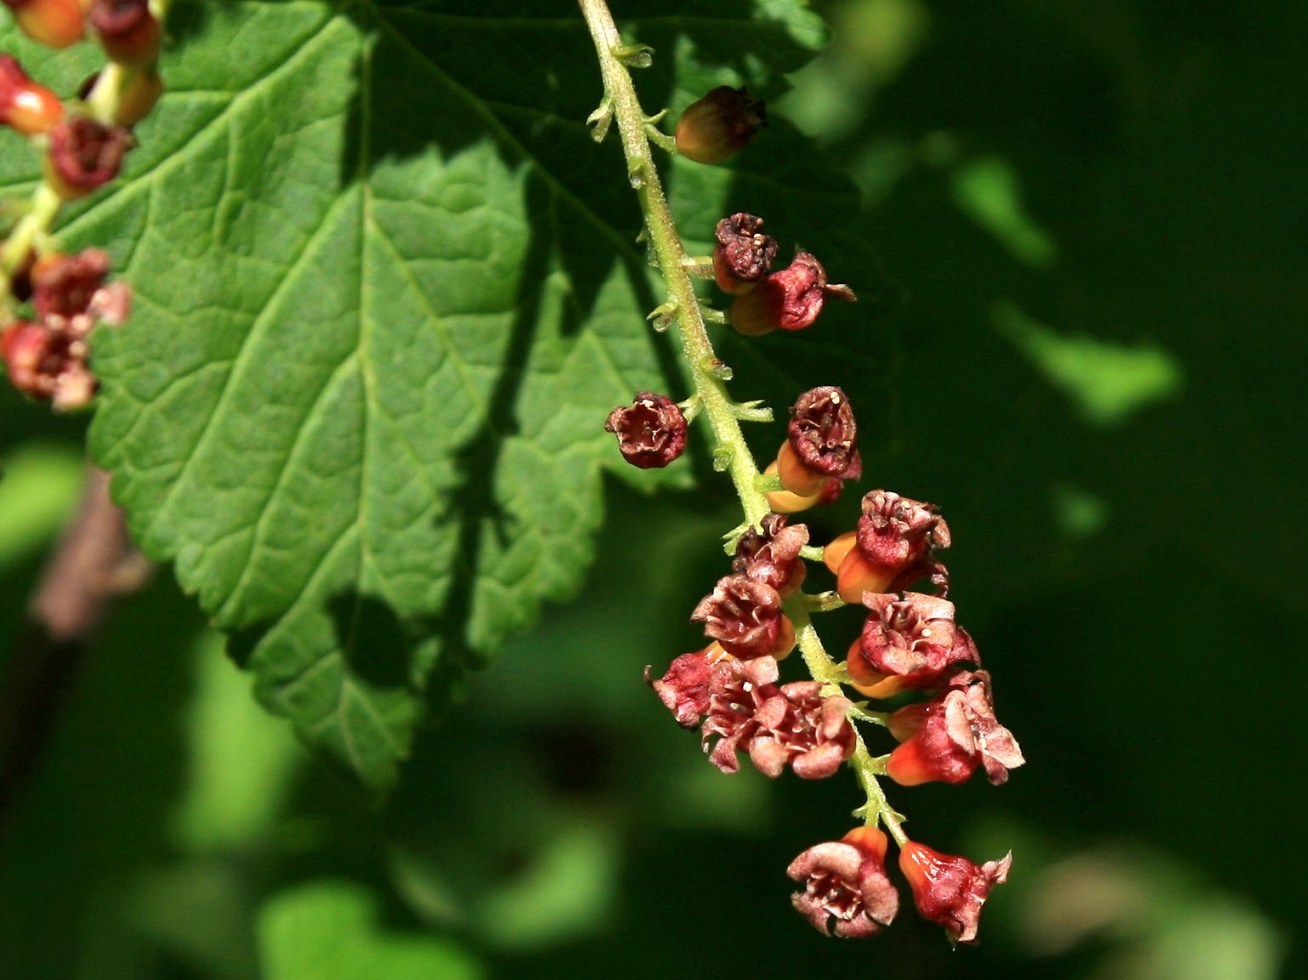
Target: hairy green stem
[[722, 413], [668, 250]]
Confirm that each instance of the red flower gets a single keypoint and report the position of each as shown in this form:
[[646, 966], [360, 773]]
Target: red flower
[[651, 433], [845, 882], [745, 617], [791, 724], [909, 640], [950, 890], [946, 738], [891, 549], [789, 299]]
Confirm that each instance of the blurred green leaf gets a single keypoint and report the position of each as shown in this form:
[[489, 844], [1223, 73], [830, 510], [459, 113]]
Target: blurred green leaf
[[329, 930], [1108, 382], [40, 484]]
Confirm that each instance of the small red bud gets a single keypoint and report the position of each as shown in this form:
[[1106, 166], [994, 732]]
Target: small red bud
[[743, 254], [722, 122], [26, 106], [57, 23], [85, 154], [127, 30], [651, 433]]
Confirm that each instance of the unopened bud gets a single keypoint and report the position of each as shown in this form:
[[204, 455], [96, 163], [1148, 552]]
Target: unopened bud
[[57, 23], [719, 124], [26, 106]]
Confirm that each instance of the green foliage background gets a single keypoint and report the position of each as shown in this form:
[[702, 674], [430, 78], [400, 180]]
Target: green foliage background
[[1082, 236]]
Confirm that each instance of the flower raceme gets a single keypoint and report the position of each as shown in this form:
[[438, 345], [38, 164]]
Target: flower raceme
[[910, 644]]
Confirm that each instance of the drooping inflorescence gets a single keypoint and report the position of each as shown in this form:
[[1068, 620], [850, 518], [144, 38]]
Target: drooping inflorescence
[[941, 727]]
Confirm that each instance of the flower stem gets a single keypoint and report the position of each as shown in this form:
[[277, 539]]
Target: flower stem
[[717, 407]]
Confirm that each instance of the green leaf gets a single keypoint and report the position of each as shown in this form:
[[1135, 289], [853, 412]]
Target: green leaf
[[327, 930], [387, 289]]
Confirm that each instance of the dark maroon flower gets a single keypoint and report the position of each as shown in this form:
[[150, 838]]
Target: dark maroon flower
[[822, 430], [909, 640], [950, 890], [845, 883], [800, 727], [712, 129], [744, 254], [771, 554], [789, 299], [86, 154], [946, 738], [745, 617], [651, 433]]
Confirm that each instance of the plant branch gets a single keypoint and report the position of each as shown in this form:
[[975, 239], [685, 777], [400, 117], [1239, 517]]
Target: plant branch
[[731, 451]]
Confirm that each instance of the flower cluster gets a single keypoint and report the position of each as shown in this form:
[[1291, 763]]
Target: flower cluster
[[910, 646], [51, 302], [46, 357]]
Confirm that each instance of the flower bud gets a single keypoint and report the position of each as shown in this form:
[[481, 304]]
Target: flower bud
[[950, 890], [790, 299], [85, 154], [846, 890], [651, 433], [946, 738], [57, 23], [743, 255], [127, 30], [722, 122], [26, 106]]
